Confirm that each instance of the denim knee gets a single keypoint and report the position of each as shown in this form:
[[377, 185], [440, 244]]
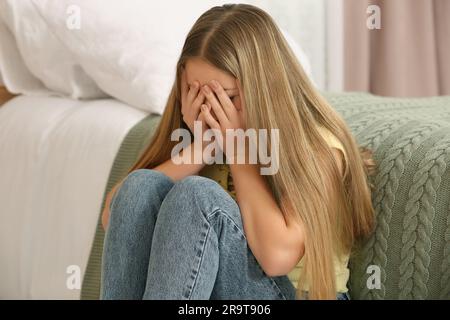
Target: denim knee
[[142, 187], [209, 197], [145, 178], [198, 184], [199, 187]]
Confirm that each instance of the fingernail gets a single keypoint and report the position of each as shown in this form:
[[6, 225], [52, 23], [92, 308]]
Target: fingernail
[[204, 108], [214, 84]]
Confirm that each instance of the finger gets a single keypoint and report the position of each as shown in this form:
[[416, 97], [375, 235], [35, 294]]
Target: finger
[[212, 111], [228, 106], [201, 117], [193, 92], [216, 107], [196, 104], [210, 121], [198, 101]]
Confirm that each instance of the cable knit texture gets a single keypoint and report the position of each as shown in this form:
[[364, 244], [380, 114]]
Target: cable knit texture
[[411, 243]]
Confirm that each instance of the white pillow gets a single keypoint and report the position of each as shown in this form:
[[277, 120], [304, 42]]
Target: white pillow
[[14, 74], [127, 49], [36, 53]]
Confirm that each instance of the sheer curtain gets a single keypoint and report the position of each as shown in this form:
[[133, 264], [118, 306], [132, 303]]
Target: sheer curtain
[[407, 56]]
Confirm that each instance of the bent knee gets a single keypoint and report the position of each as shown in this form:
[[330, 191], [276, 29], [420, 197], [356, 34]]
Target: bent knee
[[141, 178], [206, 194], [141, 184], [198, 185]]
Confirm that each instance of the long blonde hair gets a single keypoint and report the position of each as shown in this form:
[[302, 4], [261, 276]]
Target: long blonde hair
[[335, 210]]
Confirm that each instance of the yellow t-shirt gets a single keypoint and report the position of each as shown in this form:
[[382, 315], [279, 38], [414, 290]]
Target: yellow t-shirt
[[221, 174]]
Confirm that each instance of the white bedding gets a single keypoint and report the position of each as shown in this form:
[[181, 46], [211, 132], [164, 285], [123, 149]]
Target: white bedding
[[124, 49], [55, 158]]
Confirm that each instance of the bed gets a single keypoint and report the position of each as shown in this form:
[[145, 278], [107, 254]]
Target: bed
[[56, 155]]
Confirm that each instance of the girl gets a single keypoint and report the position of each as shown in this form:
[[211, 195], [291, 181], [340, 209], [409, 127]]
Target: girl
[[196, 231]]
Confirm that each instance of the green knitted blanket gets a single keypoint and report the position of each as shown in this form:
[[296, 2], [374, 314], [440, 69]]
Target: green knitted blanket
[[133, 144], [409, 252]]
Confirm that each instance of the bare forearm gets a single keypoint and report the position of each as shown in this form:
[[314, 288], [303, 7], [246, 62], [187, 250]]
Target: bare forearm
[[268, 233], [187, 168]]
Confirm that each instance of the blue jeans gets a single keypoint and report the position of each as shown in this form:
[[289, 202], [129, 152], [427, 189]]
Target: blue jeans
[[181, 240]]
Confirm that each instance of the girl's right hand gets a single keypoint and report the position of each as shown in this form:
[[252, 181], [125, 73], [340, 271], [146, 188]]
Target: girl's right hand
[[191, 101]]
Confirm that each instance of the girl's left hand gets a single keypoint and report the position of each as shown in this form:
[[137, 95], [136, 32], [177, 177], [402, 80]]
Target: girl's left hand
[[226, 114]]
